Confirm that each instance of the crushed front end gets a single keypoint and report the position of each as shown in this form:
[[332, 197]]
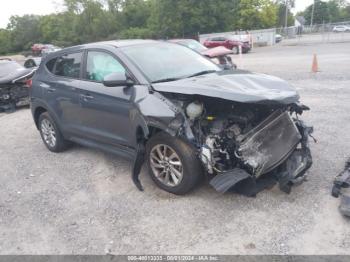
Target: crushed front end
[[13, 95], [249, 147], [14, 85]]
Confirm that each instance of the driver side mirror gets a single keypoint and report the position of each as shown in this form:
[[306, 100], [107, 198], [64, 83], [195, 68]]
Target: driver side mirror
[[117, 79]]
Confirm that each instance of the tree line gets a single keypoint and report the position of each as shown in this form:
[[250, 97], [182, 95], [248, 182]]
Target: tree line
[[85, 21]]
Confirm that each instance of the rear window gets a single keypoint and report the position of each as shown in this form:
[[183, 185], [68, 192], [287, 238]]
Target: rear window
[[67, 65], [50, 65]]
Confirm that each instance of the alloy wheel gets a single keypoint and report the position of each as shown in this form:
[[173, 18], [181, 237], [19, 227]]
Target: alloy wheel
[[166, 165], [49, 133]]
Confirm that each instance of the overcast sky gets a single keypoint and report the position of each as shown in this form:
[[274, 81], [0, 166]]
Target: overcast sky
[[41, 7]]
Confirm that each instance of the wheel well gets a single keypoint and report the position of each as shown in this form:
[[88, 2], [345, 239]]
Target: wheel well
[[141, 136], [38, 111], [153, 130]]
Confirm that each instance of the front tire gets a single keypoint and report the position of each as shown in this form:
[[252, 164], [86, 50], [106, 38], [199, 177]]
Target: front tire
[[173, 164], [50, 134]]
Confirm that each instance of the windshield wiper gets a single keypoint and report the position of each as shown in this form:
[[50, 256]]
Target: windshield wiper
[[166, 80], [178, 78], [202, 73]]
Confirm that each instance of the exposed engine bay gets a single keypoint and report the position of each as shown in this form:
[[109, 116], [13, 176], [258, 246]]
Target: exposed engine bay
[[14, 82], [13, 95], [245, 142]]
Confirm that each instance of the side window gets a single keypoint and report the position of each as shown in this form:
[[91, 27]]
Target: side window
[[100, 64], [67, 65], [51, 65]]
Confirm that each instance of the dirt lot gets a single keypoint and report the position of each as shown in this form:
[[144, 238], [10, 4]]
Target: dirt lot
[[84, 202]]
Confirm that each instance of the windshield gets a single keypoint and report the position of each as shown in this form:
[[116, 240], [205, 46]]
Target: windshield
[[168, 62], [194, 45]]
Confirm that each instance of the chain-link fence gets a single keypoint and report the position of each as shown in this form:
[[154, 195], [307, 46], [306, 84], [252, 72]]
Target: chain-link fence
[[294, 31], [264, 37]]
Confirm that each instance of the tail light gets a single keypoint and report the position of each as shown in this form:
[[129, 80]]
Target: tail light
[[29, 83]]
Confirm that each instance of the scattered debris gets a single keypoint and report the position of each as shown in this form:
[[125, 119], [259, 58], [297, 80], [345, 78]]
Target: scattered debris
[[344, 207], [343, 181], [250, 246]]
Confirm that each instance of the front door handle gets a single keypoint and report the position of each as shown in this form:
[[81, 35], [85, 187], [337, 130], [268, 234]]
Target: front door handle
[[87, 97]]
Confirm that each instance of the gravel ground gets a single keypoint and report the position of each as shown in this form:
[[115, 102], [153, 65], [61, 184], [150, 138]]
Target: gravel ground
[[84, 202]]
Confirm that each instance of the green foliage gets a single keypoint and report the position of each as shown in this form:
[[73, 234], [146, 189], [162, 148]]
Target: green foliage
[[5, 42], [256, 14], [135, 33], [321, 13], [281, 15], [24, 31], [94, 20], [328, 12]]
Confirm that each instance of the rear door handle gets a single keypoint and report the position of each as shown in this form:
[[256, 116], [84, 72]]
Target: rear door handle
[[51, 90]]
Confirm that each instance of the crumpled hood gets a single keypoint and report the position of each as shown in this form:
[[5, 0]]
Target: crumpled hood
[[10, 76], [239, 86]]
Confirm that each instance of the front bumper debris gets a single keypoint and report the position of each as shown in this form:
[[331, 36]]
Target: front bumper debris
[[276, 151], [343, 181], [270, 143], [228, 179]]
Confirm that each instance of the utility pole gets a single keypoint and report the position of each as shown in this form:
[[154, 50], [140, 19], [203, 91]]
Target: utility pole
[[312, 14], [286, 22]]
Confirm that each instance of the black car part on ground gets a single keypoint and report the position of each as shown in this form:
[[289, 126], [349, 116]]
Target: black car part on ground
[[343, 181], [13, 85]]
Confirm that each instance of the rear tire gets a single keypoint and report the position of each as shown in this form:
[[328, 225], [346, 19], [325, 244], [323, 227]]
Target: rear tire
[[236, 50], [162, 151], [51, 135]]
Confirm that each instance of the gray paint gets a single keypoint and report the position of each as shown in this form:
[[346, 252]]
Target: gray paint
[[239, 87], [109, 118]]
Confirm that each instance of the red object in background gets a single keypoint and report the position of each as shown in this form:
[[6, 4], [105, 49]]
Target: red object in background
[[228, 43], [217, 51], [29, 83], [37, 48]]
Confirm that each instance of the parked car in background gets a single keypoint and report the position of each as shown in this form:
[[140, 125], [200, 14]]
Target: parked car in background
[[341, 28], [219, 55], [166, 104], [49, 49], [36, 49], [14, 83], [278, 38], [43, 49], [228, 42], [32, 62]]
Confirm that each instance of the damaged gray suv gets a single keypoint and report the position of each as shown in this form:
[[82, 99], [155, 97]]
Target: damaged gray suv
[[166, 105]]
